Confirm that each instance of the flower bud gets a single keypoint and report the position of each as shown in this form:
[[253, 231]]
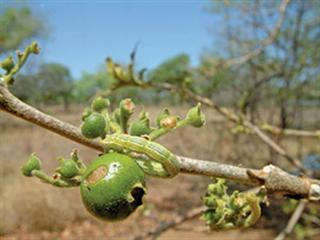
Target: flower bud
[[169, 122], [68, 168], [195, 116], [99, 103], [140, 127], [34, 48], [7, 64], [94, 126], [33, 163], [126, 107], [163, 114]]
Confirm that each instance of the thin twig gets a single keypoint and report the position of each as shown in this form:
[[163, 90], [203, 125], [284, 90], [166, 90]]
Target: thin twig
[[293, 220], [290, 132], [231, 116], [311, 218], [165, 226], [273, 178]]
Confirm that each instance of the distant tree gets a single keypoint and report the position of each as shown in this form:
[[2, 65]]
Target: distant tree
[[27, 89], [281, 73], [89, 84], [173, 70], [55, 83], [17, 26]]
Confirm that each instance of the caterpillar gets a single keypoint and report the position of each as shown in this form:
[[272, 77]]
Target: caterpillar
[[152, 157]]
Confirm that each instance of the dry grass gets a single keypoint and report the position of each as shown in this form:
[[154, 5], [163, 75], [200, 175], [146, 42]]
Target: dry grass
[[28, 205]]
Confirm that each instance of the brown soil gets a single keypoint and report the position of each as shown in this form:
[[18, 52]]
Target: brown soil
[[30, 209]]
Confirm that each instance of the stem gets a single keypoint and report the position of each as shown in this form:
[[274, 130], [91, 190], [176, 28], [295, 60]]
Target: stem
[[162, 131], [22, 58], [56, 182], [232, 117], [14, 106]]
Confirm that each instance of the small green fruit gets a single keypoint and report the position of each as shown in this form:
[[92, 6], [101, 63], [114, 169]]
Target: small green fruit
[[7, 64], [68, 168], [33, 163], [99, 104], [112, 187], [94, 126], [34, 48], [196, 117], [140, 127]]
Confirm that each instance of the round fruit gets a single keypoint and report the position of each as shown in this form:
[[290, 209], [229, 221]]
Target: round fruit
[[140, 127], [112, 187], [68, 168], [99, 104], [33, 163], [93, 126]]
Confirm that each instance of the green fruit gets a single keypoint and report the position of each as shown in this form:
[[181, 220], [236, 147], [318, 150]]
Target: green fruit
[[34, 48], [94, 126], [99, 104], [140, 127], [68, 168], [112, 187], [196, 117], [33, 163], [7, 64]]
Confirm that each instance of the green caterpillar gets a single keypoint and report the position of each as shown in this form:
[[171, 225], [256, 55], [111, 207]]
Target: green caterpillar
[[152, 157]]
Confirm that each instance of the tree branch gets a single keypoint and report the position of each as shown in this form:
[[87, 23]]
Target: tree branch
[[231, 116], [265, 43], [292, 221], [290, 132], [272, 178]]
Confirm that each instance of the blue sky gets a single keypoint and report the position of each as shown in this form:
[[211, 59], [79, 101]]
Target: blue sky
[[84, 33]]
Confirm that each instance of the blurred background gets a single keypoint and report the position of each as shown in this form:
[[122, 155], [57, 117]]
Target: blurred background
[[175, 41]]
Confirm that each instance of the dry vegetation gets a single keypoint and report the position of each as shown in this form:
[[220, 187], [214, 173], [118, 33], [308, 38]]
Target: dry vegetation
[[32, 210]]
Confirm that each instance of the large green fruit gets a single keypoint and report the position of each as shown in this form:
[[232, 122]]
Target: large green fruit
[[112, 187]]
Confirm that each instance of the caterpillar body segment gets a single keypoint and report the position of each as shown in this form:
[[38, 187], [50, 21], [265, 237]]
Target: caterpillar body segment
[[153, 158]]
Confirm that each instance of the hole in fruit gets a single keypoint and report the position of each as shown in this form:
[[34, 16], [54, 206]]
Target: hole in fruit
[[97, 174], [137, 193]]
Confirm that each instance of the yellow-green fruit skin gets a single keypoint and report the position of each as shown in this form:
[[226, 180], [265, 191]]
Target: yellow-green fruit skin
[[68, 168], [93, 126], [33, 163], [140, 128], [100, 104], [112, 187]]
